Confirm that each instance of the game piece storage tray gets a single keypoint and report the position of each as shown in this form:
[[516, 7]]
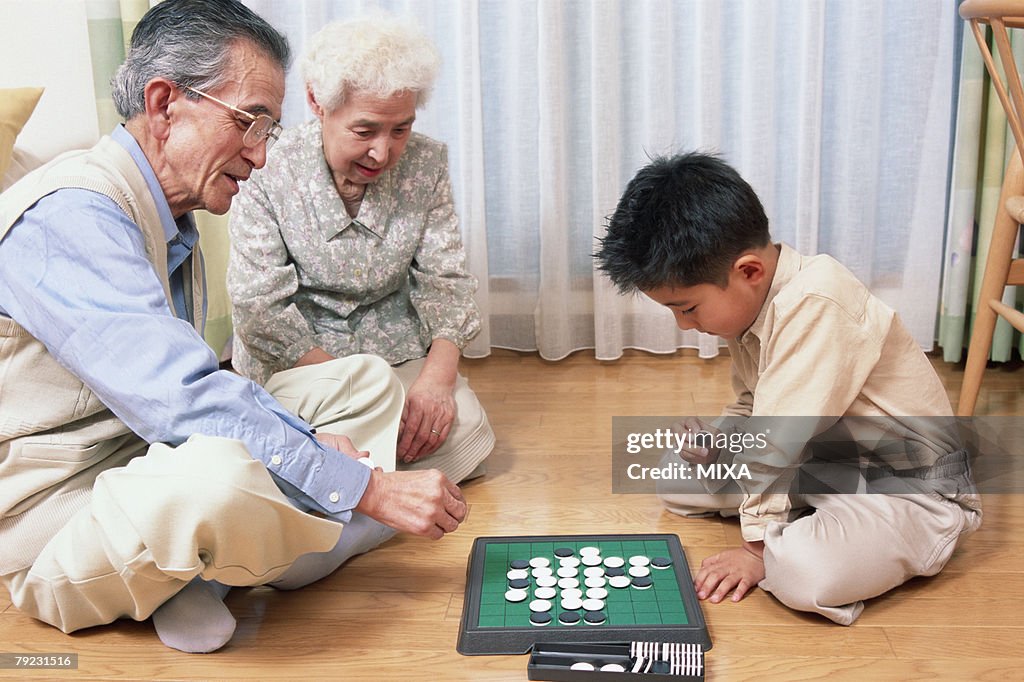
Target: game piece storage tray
[[552, 662]]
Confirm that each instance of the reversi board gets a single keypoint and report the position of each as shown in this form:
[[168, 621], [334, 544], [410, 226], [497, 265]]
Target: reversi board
[[520, 590]]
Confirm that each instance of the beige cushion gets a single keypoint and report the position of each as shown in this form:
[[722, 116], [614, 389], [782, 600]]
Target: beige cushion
[[16, 105]]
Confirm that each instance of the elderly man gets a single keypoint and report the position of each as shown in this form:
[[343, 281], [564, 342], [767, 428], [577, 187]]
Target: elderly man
[[136, 474]]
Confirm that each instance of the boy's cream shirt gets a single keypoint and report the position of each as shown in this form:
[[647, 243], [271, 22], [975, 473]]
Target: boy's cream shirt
[[823, 345]]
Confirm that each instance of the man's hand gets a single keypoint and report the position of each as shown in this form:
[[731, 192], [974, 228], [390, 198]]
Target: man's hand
[[419, 502], [739, 569], [342, 444], [426, 419]]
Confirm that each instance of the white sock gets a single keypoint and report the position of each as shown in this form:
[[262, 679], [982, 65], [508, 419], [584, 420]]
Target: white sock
[[360, 535], [195, 620]]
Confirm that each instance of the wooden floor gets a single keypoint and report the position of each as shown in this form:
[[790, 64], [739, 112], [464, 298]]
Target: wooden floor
[[394, 614]]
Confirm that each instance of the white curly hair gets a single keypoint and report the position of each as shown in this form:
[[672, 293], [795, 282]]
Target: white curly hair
[[380, 55]]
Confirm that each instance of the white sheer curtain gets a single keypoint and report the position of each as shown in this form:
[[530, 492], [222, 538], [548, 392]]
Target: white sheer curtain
[[838, 113]]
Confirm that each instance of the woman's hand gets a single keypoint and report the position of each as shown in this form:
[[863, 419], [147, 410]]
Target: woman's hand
[[426, 420], [429, 404], [313, 356]]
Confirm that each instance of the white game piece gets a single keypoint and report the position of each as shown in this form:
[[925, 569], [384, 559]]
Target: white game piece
[[567, 572], [638, 560], [569, 561], [515, 595], [589, 551], [591, 560], [547, 581], [614, 562], [597, 593], [568, 583], [612, 668], [619, 581], [639, 571], [593, 571], [540, 605], [593, 604], [540, 562], [596, 581], [541, 572], [545, 593], [572, 593], [582, 665], [572, 604], [518, 574]]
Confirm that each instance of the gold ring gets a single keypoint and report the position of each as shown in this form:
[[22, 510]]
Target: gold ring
[[436, 433]]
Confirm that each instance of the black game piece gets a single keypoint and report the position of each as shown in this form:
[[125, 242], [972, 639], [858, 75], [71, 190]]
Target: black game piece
[[612, 572], [519, 563], [519, 584], [540, 618], [660, 667], [569, 617], [661, 562], [563, 552], [595, 617], [643, 582]]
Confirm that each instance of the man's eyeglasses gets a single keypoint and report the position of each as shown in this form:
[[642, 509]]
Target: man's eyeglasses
[[261, 126]]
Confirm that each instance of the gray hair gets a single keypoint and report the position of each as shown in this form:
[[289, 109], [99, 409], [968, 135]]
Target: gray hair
[[189, 43], [380, 55]]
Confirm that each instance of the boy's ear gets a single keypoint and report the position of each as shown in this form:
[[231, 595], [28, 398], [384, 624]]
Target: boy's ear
[[751, 268]]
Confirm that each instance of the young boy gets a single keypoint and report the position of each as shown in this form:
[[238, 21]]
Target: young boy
[[809, 344]]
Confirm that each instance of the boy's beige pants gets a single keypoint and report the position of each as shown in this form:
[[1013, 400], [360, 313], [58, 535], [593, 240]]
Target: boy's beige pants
[[844, 548], [204, 508]]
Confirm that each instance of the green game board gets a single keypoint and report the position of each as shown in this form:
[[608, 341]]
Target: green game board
[[667, 611]]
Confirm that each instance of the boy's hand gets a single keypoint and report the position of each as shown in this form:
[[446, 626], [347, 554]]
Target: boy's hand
[[739, 569], [693, 430]]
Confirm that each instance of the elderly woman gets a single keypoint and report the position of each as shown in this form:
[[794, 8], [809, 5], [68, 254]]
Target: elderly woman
[[348, 242]]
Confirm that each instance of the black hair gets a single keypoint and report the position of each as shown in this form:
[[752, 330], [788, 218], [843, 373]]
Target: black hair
[[683, 220], [189, 43]]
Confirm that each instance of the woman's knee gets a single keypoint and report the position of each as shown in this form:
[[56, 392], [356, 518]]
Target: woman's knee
[[367, 372]]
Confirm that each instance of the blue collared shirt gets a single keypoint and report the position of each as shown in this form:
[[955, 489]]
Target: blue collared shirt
[[74, 274]]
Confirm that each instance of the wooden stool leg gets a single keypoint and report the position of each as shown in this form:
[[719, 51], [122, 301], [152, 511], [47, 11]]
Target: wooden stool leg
[[993, 284]]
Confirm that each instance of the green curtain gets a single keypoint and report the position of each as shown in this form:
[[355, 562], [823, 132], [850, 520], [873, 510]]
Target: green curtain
[[111, 23], [981, 151]]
